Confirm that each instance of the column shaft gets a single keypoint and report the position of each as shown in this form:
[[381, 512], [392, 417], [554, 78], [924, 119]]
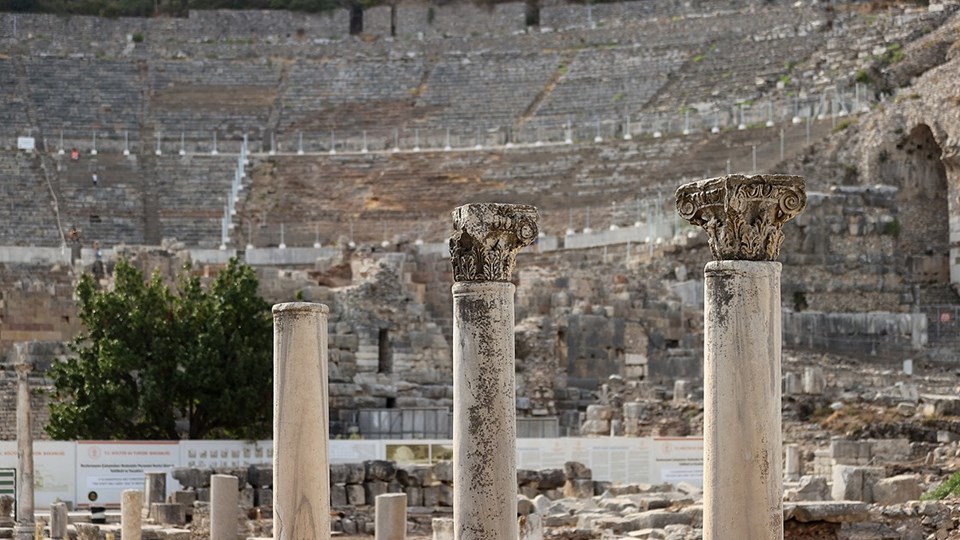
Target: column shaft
[[391, 516], [131, 515], [484, 422], [301, 475], [24, 455], [224, 500], [742, 437]]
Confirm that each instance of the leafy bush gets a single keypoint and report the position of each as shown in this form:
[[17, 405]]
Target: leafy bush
[[950, 486]]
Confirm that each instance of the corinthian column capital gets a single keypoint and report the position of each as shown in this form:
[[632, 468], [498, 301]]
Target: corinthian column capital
[[486, 238], [743, 215]]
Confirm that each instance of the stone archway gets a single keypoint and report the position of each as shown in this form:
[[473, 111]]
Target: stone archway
[[914, 164]]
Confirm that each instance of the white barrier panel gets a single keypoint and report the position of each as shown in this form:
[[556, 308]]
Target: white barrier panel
[[221, 454], [98, 471], [53, 469], [105, 469], [678, 459]]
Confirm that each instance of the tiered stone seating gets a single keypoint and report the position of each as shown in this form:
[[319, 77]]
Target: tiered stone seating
[[80, 95], [350, 93], [25, 203], [197, 97], [608, 83], [111, 212], [489, 90], [13, 114], [191, 192]]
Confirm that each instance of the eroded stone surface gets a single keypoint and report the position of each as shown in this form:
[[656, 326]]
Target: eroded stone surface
[[487, 237], [743, 215]]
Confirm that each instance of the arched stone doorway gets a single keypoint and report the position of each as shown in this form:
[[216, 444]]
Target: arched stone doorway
[[914, 164]]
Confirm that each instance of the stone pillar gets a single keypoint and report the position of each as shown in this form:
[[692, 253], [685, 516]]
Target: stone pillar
[[391, 516], [483, 250], [793, 466], [155, 490], [58, 521], [680, 390], [743, 482], [531, 527], [131, 517], [24, 528], [224, 501], [301, 473]]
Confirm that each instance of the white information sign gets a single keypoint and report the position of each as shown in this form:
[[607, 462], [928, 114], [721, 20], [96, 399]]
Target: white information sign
[[678, 459], [53, 469], [26, 143], [105, 469]]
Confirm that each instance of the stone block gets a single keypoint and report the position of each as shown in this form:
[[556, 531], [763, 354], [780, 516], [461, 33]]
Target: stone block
[[595, 427], [527, 476], [355, 495], [528, 490], [168, 513], [552, 479], [338, 495], [443, 471], [445, 495], [813, 380], [599, 412], [442, 528], [811, 488], [431, 496], [847, 483], [414, 495], [260, 475], [832, 512], [186, 498], [416, 475], [374, 488], [239, 472], [574, 470], [247, 497], [263, 496], [192, 478], [897, 489], [658, 519], [578, 489], [203, 494]]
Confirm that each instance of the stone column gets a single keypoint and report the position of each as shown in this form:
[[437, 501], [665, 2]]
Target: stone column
[[483, 250], [155, 490], [793, 466], [743, 482], [224, 500], [58, 521], [391, 516], [131, 516], [301, 474], [24, 528]]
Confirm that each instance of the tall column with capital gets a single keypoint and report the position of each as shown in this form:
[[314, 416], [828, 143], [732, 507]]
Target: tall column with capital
[[301, 467], [743, 216], [24, 528], [483, 250]]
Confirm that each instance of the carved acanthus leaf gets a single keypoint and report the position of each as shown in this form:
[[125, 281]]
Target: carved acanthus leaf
[[743, 215], [486, 238]]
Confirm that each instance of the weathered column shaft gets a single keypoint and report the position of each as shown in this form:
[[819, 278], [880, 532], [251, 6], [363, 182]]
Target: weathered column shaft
[[483, 249], [131, 515], [793, 468], [485, 416], [742, 475], [743, 479], [58, 521], [301, 475], [391, 517], [24, 454], [155, 490], [224, 500]]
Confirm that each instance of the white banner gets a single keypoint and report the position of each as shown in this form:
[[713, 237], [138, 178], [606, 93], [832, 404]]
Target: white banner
[[105, 469], [53, 469]]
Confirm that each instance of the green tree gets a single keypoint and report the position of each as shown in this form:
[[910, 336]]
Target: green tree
[[151, 357]]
